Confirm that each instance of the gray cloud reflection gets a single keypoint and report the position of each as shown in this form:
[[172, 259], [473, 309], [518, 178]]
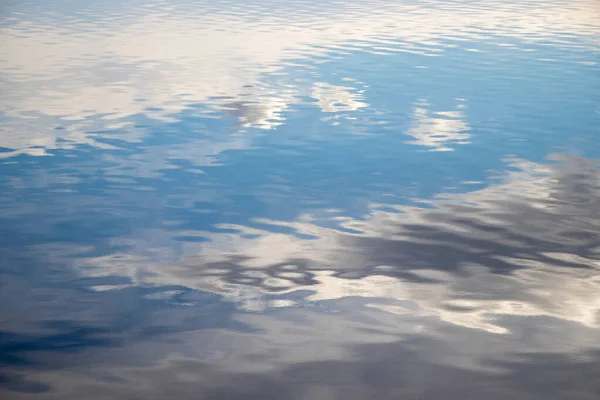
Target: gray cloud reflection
[[526, 247]]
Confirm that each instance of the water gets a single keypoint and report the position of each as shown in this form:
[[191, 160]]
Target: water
[[263, 199]]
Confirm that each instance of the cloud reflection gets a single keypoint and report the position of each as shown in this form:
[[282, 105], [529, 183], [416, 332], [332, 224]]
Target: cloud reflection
[[53, 77], [439, 129], [334, 98], [124, 276], [526, 247]]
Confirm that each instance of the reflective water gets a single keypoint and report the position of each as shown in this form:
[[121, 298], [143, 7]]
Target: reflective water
[[267, 199]]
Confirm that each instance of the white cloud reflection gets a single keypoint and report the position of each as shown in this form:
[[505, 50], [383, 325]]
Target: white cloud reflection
[[439, 129], [158, 60], [335, 98]]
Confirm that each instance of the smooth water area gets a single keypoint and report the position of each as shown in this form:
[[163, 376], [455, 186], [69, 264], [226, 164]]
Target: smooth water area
[[300, 200]]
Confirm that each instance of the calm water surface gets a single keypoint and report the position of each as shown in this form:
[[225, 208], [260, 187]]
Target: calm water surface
[[303, 200]]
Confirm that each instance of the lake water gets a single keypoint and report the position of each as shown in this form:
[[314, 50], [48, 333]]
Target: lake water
[[300, 200]]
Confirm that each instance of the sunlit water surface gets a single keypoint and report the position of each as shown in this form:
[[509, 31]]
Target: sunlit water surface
[[300, 200]]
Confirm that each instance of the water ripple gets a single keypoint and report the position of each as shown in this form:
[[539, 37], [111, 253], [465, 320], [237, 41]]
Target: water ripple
[[263, 199]]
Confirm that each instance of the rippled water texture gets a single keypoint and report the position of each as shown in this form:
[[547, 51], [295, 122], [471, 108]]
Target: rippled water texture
[[300, 200]]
